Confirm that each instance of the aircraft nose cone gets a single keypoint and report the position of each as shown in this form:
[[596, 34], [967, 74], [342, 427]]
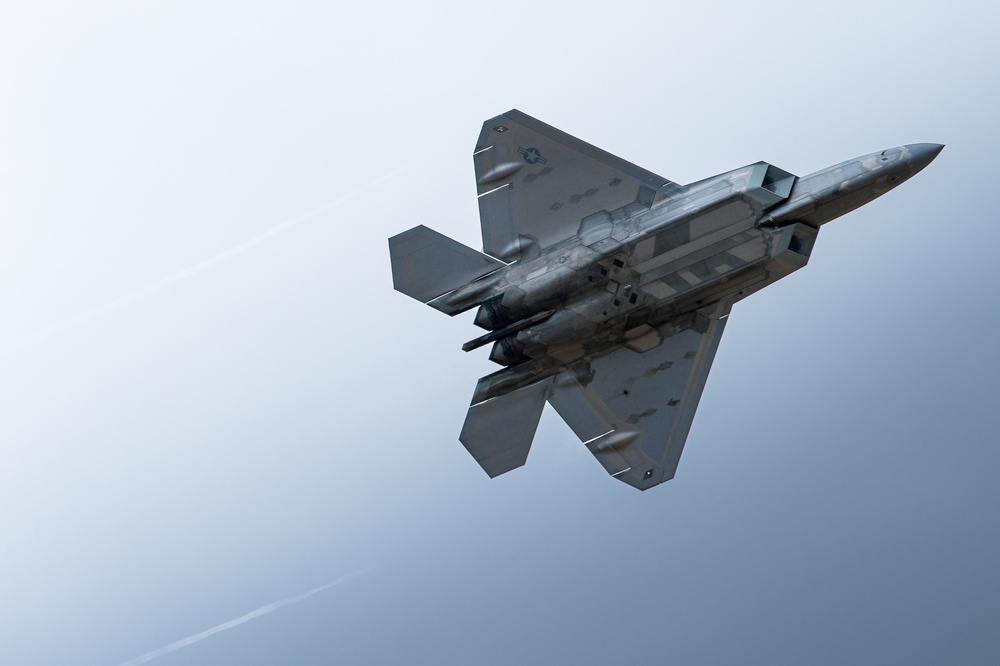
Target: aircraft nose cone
[[923, 154]]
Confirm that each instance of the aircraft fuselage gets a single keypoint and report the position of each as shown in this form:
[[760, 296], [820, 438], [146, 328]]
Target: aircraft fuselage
[[605, 288], [718, 239]]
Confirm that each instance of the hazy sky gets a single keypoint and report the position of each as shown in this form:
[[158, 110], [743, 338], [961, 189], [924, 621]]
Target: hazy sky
[[224, 438]]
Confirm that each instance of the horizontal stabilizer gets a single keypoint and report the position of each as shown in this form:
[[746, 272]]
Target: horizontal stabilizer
[[498, 432], [426, 264]]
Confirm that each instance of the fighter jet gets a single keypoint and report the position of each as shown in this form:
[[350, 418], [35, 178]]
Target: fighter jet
[[604, 288]]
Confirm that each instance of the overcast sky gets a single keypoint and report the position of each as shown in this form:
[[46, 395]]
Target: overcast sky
[[224, 438]]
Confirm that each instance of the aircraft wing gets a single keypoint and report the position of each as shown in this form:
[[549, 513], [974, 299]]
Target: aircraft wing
[[633, 407], [536, 184]]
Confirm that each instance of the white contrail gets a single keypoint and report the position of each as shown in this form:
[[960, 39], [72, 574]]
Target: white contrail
[[263, 610], [49, 331]]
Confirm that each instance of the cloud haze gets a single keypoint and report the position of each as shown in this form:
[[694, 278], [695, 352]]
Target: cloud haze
[[151, 289], [263, 610]]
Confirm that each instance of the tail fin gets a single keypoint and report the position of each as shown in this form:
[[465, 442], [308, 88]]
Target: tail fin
[[426, 264]]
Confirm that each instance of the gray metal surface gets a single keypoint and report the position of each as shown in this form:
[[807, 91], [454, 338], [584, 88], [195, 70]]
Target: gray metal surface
[[619, 285], [426, 264], [498, 432], [536, 183], [633, 407]]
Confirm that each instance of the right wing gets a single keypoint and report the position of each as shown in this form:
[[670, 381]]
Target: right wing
[[633, 408], [536, 184]]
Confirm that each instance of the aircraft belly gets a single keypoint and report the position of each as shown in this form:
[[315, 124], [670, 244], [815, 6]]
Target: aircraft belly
[[605, 288]]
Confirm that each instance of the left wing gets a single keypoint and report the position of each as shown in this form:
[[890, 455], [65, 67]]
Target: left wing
[[633, 408], [536, 183]]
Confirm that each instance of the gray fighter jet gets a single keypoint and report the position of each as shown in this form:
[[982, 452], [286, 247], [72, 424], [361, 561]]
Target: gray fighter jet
[[604, 288]]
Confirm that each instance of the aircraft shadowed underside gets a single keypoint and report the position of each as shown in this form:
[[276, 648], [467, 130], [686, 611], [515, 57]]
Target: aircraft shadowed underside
[[604, 288]]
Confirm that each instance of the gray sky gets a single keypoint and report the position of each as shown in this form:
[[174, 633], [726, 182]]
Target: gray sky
[[213, 406]]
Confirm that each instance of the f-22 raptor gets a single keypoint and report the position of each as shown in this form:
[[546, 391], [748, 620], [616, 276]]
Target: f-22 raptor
[[604, 288]]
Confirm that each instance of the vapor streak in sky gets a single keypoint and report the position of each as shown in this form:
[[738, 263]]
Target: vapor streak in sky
[[263, 610], [149, 290]]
